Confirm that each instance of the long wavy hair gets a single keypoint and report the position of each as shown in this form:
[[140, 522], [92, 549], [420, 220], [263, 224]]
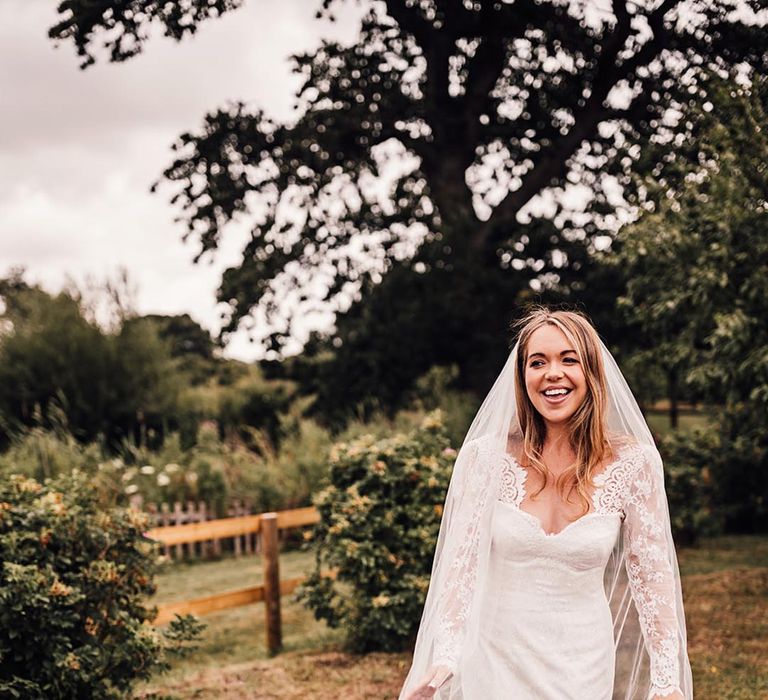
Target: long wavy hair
[[587, 431]]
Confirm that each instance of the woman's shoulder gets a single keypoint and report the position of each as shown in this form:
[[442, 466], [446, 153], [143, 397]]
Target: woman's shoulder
[[636, 455], [624, 445], [484, 442], [491, 449]]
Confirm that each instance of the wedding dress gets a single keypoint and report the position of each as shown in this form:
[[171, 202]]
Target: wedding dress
[[546, 629], [591, 612]]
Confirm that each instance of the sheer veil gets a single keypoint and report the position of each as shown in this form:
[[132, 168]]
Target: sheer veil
[[642, 580]]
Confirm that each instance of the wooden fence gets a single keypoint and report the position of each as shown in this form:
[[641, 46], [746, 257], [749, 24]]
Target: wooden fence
[[268, 526], [200, 512]]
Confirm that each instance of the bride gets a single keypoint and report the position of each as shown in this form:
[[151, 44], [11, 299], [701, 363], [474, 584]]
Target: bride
[[555, 575]]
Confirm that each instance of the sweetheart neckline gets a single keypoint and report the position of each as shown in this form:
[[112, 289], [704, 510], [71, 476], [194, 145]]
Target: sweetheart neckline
[[537, 523], [603, 475]]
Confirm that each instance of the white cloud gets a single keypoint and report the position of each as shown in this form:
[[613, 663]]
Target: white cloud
[[79, 149]]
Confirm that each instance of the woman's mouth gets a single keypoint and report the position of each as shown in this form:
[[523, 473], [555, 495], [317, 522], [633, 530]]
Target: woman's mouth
[[555, 396]]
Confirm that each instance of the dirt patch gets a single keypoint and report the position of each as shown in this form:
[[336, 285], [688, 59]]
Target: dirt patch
[[324, 675]]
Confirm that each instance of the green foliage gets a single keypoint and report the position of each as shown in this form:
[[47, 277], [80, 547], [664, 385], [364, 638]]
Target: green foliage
[[256, 405], [42, 454], [212, 470], [691, 462], [382, 346], [186, 337], [705, 319], [73, 584], [50, 355], [436, 390], [55, 362], [380, 516]]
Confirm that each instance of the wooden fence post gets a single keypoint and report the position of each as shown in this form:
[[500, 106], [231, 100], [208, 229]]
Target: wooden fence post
[[271, 581], [178, 517]]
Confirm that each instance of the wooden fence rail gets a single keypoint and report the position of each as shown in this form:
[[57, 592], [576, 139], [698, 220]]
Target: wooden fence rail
[[178, 514], [269, 525]]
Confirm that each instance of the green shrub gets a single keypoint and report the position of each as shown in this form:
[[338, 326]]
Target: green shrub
[[689, 461], [73, 584], [380, 517], [42, 453]]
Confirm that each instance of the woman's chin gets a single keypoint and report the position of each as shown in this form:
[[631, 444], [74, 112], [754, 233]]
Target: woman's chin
[[556, 416]]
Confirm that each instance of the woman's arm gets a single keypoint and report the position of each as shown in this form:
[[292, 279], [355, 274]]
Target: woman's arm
[[455, 570], [461, 577], [649, 563]]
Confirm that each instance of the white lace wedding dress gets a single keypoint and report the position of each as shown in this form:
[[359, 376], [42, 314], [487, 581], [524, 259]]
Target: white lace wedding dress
[[546, 629]]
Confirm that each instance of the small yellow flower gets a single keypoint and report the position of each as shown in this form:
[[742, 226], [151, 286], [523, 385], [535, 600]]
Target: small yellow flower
[[137, 518], [103, 520], [91, 627], [380, 601], [430, 462], [59, 589], [54, 502], [423, 583], [322, 496], [103, 571], [438, 510], [339, 526], [432, 420], [379, 467], [26, 485], [72, 661]]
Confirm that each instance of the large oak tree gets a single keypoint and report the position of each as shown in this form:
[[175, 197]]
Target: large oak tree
[[419, 146]]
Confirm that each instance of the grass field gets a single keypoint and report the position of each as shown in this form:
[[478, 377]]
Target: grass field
[[688, 420], [725, 583]]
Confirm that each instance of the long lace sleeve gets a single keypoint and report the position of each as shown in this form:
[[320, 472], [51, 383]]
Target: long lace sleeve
[[651, 572], [457, 593]]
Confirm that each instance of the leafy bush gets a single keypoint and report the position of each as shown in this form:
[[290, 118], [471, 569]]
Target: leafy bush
[[172, 474], [73, 585], [690, 464], [380, 517], [42, 453]]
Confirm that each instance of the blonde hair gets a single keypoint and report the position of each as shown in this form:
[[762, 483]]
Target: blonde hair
[[588, 435]]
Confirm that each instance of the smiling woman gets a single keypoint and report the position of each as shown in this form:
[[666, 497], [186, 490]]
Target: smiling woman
[[553, 374], [555, 574]]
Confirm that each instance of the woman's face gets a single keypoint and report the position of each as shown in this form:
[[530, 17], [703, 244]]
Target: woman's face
[[554, 376]]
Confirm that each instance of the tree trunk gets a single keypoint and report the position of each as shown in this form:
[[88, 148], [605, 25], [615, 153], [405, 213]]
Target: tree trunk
[[672, 392]]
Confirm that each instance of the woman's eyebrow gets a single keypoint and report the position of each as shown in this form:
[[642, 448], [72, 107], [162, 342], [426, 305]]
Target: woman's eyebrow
[[541, 354]]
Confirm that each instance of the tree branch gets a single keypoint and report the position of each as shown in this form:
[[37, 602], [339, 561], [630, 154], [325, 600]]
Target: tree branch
[[552, 162]]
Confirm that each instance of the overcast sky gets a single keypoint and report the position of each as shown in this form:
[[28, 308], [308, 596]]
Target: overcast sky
[[79, 149]]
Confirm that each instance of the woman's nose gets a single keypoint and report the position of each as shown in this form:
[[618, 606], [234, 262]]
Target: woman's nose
[[553, 371]]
